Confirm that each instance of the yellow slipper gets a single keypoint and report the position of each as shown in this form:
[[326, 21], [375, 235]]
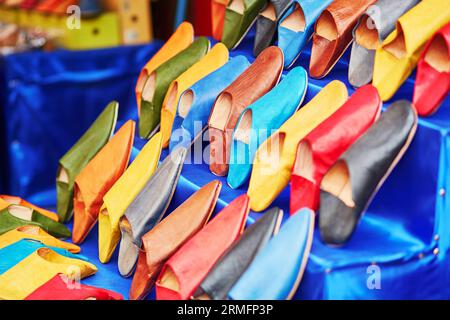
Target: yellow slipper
[[400, 52], [123, 192], [37, 269], [35, 233], [180, 40], [275, 158], [212, 61]]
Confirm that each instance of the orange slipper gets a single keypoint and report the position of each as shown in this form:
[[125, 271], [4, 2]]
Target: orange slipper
[[98, 177]]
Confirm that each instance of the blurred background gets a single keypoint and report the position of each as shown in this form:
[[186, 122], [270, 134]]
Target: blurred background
[[61, 63], [50, 24]]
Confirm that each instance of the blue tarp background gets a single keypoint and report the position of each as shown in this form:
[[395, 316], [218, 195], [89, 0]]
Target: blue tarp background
[[49, 99]]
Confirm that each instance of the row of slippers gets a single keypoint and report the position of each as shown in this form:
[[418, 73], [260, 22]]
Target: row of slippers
[[351, 155], [34, 263], [122, 215], [388, 36], [228, 264], [184, 80], [37, 266]]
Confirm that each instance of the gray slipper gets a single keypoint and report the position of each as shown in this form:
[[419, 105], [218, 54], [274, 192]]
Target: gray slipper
[[147, 210], [373, 27]]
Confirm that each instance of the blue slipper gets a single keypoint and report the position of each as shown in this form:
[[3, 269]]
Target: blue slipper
[[259, 120], [297, 26], [196, 103], [277, 270], [16, 252]]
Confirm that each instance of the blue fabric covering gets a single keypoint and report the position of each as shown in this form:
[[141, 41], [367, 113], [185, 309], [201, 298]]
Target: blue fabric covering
[[50, 99]]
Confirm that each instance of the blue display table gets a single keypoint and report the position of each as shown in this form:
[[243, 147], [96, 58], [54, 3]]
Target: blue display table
[[50, 99]]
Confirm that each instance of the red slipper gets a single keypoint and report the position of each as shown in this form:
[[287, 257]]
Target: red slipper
[[60, 288], [320, 149], [185, 270], [433, 74]]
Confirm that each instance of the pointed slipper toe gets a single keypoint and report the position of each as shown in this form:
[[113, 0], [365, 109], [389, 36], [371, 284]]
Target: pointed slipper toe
[[369, 34], [38, 234], [239, 256], [212, 61], [260, 119], [239, 17], [400, 52], [333, 34], [122, 193], [350, 185], [288, 254], [59, 288], [180, 40], [323, 146], [267, 22], [107, 166], [275, 158], [147, 209], [256, 81], [158, 83], [196, 102], [168, 236], [433, 74], [184, 271], [73, 162]]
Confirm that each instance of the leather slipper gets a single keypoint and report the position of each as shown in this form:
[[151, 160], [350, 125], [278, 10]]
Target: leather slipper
[[288, 254], [184, 271], [37, 269], [147, 209], [122, 193], [212, 61], [196, 103], [275, 158], [433, 74], [333, 34], [158, 83], [253, 83], [239, 18], [180, 40], [6, 201], [227, 271], [400, 52], [107, 167], [37, 234], [15, 216], [372, 29], [59, 288], [296, 27], [73, 162], [163, 241], [218, 9], [16, 252], [350, 185], [321, 148], [258, 121], [267, 23]]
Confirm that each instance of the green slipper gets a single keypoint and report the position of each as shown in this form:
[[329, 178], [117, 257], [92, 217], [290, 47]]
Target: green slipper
[[239, 18], [17, 216], [71, 164], [158, 83]]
